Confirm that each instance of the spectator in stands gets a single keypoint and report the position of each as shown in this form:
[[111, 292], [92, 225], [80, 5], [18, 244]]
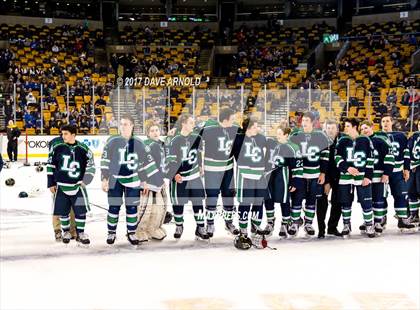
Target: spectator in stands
[[101, 101], [113, 123], [391, 99], [30, 98], [8, 110]]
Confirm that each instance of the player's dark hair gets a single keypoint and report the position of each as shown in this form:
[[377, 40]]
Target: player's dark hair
[[129, 118], [225, 114], [70, 128], [309, 115], [353, 121], [387, 115]]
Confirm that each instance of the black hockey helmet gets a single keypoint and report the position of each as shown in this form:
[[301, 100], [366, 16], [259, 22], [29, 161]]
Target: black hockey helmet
[[242, 242], [10, 182], [23, 195]]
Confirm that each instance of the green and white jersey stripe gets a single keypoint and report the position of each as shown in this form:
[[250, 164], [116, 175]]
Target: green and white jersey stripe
[[70, 189], [215, 165]]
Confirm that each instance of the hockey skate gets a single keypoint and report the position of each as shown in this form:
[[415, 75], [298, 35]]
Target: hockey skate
[[210, 230], [370, 231], [309, 230], [346, 230], [257, 230], [404, 225], [378, 229], [179, 229], [362, 228], [243, 232], [384, 222], [283, 231], [414, 219], [132, 238], [66, 237], [58, 236], [269, 228], [82, 239], [201, 234], [293, 230], [231, 228], [111, 238]]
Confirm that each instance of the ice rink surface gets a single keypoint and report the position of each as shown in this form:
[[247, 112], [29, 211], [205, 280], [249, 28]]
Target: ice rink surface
[[38, 273]]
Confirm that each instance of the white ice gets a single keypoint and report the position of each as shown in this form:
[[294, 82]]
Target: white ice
[[38, 273]]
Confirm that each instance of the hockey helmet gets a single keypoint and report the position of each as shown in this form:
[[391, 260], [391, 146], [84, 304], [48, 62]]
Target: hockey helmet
[[242, 242], [23, 195], [168, 217], [10, 182]]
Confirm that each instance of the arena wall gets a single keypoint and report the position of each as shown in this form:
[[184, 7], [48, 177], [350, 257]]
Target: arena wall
[[41, 21]]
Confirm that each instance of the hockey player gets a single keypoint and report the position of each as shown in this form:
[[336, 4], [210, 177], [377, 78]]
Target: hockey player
[[56, 218], [153, 206], [401, 173], [382, 170], [331, 185], [218, 138], [414, 181], [70, 168], [248, 151], [184, 157], [127, 170], [314, 148], [284, 172], [354, 158]]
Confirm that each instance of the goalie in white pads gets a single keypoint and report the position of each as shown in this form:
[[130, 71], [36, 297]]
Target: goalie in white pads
[[153, 206]]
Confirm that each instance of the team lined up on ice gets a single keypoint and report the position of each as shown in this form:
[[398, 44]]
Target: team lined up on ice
[[251, 173]]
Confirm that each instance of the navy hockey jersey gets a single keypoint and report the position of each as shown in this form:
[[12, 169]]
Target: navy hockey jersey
[[413, 148], [130, 162], [398, 142], [384, 158], [70, 165], [217, 143], [157, 150], [284, 159], [314, 149], [358, 153], [250, 156], [184, 156]]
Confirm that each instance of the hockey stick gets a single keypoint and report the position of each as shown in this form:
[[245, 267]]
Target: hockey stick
[[98, 206]]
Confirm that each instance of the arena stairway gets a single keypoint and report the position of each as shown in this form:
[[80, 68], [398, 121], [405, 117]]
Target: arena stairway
[[204, 60], [127, 106]]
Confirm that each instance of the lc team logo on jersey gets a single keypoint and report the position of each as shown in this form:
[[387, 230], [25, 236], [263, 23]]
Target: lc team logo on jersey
[[71, 167], [311, 153], [357, 158], [395, 148], [189, 156], [225, 145], [253, 152], [128, 159]]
